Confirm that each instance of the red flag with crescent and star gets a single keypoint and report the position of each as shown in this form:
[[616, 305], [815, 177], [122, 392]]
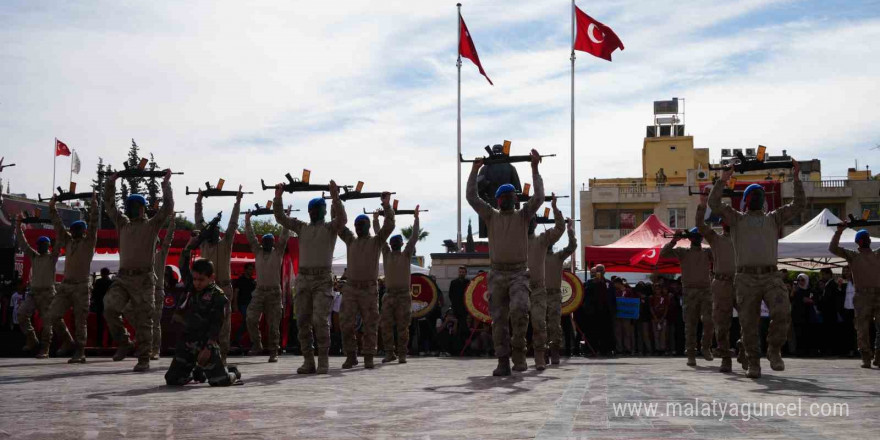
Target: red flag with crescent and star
[[650, 256], [595, 38], [61, 149], [467, 49]]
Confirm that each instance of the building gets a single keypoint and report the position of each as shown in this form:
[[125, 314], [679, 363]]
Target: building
[[673, 171]]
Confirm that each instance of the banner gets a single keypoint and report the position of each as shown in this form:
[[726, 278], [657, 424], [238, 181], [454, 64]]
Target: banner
[[572, 293], [476, 298], [424, 293], [628, 308]]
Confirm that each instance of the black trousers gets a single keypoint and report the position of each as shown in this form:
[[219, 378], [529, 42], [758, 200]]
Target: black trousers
[[183, 368]]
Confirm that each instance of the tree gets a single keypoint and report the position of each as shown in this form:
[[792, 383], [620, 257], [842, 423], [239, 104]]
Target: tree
[[263, 227], [181, 223], [406, 232], [152, 185], [134, 158]]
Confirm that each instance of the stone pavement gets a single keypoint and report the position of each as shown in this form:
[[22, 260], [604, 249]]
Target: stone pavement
[[436, 398]]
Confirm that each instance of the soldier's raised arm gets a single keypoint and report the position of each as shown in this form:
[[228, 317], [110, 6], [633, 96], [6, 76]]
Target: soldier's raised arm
[[233, 219], [572, 242], [338, 217], [94, 216], [700, 220], [482, 208], [22, 242], [61, 234], [292, 223], [167, 208], [388, 223], [790, 210], [536, 200], [119, 219], [249, 233], [414, 237], [729, 215], [834, 246], [553, 234]]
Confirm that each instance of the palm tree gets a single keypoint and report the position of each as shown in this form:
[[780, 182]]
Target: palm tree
[[407, 232]]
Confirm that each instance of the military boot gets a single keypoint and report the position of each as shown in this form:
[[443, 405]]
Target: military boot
[[79, 355], [273, 356], [554, 356], [726, 365], [402, 358], [368, 361], [540, 363], [389, 357], [154, 354], [866, 360], [31, 344], [323, 361], [519, 361], [775, 356], [143, 364], [741, 355], [707, 354], [256, 350], [123, 350], [308, 366], [503, 368], [350, 361], [754, 371], [877, 358], [44, 352], [692, 359], [66, 349]]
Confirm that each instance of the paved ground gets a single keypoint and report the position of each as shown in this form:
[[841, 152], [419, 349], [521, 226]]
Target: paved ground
[[433, 398]]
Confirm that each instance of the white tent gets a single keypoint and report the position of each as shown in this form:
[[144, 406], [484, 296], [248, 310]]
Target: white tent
[[100, 261], [807, 247], [339, 265]]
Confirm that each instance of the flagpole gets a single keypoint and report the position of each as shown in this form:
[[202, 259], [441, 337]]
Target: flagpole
[[54, 159], [458, 122], [71, 170], [573, 195]]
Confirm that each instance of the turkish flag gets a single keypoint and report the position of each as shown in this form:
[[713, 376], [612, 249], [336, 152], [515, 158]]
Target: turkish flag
[[650, 256], [595, 38], [61, 149], [467, 49]]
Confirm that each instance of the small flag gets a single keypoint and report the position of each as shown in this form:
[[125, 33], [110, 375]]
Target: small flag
[[61, 149], [595, 38], [649, 256], [467, 49], [74, 163]]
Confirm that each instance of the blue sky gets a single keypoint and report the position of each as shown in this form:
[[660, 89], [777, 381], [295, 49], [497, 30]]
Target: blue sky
[[366, 90]]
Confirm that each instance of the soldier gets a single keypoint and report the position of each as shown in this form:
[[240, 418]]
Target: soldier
[[538, 247], [135, 281], [360, 294], [696, 272], [219, 251], [553, 271], [508, 252], [266, 299], [42, 292], [159, 259], [755, 236], [493, 176], [76, 289], [723, 268], [397, 302], [865, 266], [202, 313], [314, 283]]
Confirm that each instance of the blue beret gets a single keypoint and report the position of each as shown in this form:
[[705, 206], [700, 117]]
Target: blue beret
[[268, 237], [361, 218], [503, 189], [862, 234], [79, 224], [317, 201], [750, 188], [136, 198], [43, 239], [397, 237], [694, 231]]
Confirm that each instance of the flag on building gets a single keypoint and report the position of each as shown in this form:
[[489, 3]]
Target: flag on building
[[61, 149], [594, 37]]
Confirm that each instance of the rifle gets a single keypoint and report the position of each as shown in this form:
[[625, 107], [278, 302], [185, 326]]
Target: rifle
[[299, 185], [682, 235], [138, 171], [65, 196], [267, 210], [214, 191], [4, 166], [743, 164], [854, 222], [728, 192], [494, 158], [522, 198], [356, 193], [211, 227], [396, 211]]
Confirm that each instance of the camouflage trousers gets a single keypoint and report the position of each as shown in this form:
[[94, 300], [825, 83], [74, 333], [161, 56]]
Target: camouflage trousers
[[158, 306], [554, 318], [363, 300], [313, 302], [184, 366], [396, 310], [750, 290], [697, 307], [41, 301], [722, 313], [75, 295], [867, 310], [265, 301], [538, 316], [226, 329], [140, 290], [509, 305]]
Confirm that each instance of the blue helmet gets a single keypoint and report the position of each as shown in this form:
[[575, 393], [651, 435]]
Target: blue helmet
[[316, 202], [79, 224], [136, 198], [361, 218], [397, 237], [504, 189], [697, 232], [43, 239], [269, 237], [862, 235]]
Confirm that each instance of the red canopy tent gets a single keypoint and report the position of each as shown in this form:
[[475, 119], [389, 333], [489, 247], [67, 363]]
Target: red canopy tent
[[648, 235]]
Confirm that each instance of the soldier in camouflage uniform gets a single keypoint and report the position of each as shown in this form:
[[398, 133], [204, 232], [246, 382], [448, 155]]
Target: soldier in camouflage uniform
[[755, 235], [538, 246], [553, 272], [508, 252], [397, 302]]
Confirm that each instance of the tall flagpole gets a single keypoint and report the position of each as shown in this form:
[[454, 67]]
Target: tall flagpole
[[71, 170], [457, 163], [54, 159], [573, 194]]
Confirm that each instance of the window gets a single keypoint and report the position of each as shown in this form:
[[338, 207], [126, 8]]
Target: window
[[606, 219], [873, 208], [676, 218]]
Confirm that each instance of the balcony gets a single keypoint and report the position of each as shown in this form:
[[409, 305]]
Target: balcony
[[602, 237], [636, 192], [820, 189]]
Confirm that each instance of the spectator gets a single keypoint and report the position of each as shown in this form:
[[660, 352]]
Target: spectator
[[675, 318], [481, 342], [600, 310], [659, 310], [623, 327], [644, 335], [800, 303], [830, 305], [335, 328], [457, 288], [848, 340], [243, 290], [14, 303], [99, 289], [447, 334]]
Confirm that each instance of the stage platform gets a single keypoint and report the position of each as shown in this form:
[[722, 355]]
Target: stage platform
[[441, 398]]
